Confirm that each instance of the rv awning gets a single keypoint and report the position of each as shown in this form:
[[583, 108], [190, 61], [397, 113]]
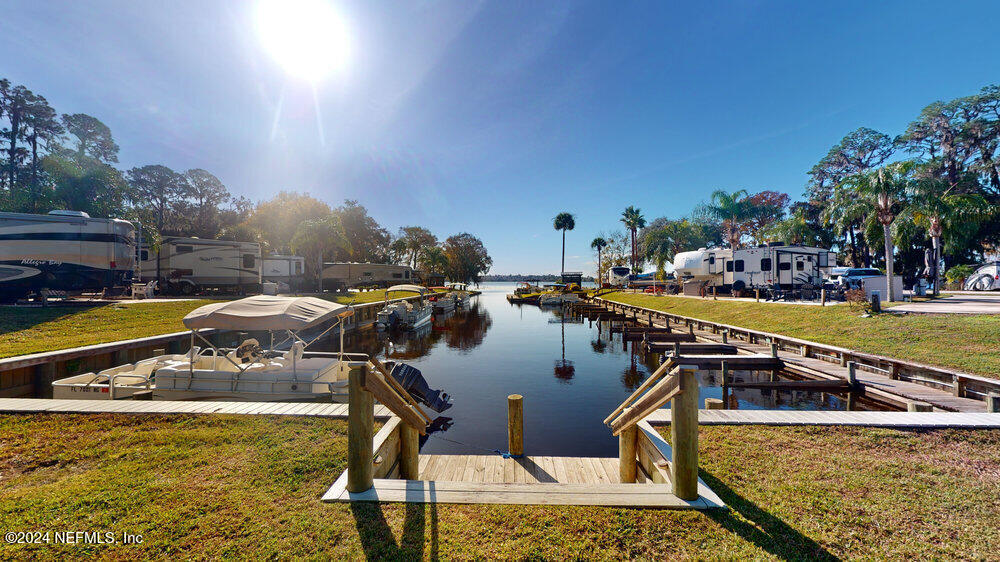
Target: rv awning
[[408, 288], [264, 312]]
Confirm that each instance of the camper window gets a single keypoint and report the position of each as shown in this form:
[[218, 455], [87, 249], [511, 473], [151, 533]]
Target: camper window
[[784, 266], [184, 249], [738, 266], [800, 265], [729, 266], [144, 255], [711, 260], [248, 261], [406, 274], [765, 264]]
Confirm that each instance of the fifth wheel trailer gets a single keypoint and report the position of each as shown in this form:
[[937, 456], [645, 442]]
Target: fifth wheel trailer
[[63, 251], [189, 265], [787, 267]]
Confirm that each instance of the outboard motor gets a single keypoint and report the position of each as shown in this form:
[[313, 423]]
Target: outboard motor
[[414, 383]]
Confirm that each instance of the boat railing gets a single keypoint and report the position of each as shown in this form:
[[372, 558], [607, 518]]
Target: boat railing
[[111, 382]]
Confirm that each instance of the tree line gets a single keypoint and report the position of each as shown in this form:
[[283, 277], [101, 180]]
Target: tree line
[[905, 203], [67, 161]]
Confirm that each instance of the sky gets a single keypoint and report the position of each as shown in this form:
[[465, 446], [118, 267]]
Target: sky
[[493, 117]]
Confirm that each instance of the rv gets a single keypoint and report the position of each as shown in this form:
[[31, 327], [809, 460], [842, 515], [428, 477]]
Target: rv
[[63, 251], [773, 265], [341, 276], [283, 269], [618, 276], [188, 265]]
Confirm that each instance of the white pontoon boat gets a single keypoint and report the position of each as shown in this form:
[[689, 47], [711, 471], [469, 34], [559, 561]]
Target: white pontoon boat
[[404, 314]]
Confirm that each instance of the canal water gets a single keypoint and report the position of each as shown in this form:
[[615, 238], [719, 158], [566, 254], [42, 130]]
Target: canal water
[[571, 373]]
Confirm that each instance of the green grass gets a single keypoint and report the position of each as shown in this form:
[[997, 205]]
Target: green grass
[[249, 487], [968, 342], [34, 330]]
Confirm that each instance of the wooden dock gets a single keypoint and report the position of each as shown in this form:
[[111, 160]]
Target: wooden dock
[[898, 420]]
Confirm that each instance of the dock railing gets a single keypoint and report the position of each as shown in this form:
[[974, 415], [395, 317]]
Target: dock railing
[[960, 383], [641, 452], [394, 451]]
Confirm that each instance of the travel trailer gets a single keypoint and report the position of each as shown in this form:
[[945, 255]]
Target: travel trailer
[[985, 278], [188, 265], [63, 251], [341, 276], [773, 265], [283, 269]]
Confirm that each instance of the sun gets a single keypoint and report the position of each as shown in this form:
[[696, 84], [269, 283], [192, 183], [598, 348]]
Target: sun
[[307, 37]]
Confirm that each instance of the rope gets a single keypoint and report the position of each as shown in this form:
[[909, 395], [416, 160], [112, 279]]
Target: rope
[[504, 454]]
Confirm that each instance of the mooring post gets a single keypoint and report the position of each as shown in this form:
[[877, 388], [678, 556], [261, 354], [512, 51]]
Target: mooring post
[[724, 367], [360, 434], [993, 403], [919, 407], [713, 404], [628, 441], [852, 373], [725, 336], [515, 425], [409, 452], [677, 349], [822, 297], [756, 294], [774, 349], [684, 436]]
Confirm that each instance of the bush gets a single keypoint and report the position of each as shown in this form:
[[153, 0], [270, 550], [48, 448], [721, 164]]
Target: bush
[[959, 273]]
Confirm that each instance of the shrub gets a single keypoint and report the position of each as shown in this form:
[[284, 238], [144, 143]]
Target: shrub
[[959, 273]]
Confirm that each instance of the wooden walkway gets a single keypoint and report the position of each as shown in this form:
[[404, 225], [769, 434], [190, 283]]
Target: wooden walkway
[[494, 469], [879, 386], [45, 405]]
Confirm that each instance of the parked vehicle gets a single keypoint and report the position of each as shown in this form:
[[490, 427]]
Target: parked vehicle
[[64, 251], [618, 276], [704, 264], [188, 265], [853, 276], [289, 270], [985, 278], [342, 276], [778, 266]]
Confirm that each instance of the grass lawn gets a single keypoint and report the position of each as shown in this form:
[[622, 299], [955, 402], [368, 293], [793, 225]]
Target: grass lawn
[[26, 330], [249, 487], [968, 342]]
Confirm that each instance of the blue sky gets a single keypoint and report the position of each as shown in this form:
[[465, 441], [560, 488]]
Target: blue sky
[[492, 118]]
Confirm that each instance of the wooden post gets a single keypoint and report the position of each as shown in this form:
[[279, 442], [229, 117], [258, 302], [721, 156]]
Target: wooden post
[[409, 452], [628, 440], [360, 432], [993, 403], [852, 373], [684, 436], [918, 407], [677, 349], [843, 359], [725, 336], [515, 424], [805, 351], [958, 386], [774, 349], [894, 371], [691, 329], [756, 294], [822, 297], [713, 404]]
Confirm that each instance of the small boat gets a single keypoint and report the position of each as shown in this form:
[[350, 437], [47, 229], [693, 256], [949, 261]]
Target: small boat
[[556, 294], [404, 314], [461, 293], [443, 303], [248, 372], [525, 293]]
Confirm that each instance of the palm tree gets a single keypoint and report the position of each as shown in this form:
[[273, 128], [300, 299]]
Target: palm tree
[[599, 244], [936, 204], [882, 192], [633, 220], [734, 210], [564, 222]]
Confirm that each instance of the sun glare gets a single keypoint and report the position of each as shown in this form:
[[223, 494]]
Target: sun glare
[[307, 37]]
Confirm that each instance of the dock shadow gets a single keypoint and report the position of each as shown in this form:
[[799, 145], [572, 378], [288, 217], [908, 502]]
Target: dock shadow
[[535, 470], [376, 536], [764, 529]]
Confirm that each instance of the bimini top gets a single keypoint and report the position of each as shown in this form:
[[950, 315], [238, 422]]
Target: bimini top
[[407, 288], [264, 312]]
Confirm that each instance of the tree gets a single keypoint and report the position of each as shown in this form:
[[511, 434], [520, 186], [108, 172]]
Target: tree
[[369, 242], [279, 218], [16, 102], [93, 138], [416, 239], [41, 124], [734, 210], [317, 239], [433, 260], [467, 258], [158, 188], [664, 238], [882, 192], [206, 192], [796, 229], [90, 186], [633, 220], [598, 244], [768, 209], [564, 222]]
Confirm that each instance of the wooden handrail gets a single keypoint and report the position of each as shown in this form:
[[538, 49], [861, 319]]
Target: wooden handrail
[[667, 364], [391, 399], [399, 388], [658, 395]]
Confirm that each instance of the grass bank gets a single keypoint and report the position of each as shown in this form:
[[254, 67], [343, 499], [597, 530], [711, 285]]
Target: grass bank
[[968, 342], [25, 330], [208, 486]]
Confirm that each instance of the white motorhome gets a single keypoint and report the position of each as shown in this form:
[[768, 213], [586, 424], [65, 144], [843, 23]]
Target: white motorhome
[[63, 251], [618, 275], [188, 265], [703, 264], [283, 269], [788, 267]]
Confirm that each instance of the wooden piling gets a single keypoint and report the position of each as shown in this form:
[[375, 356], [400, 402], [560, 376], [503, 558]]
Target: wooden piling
[[993, 403], [725, 336], [684, 437], [628, 441], [774, 349], [409, 452], [360, 431], [713, 404], [822, 297], [515, 424], [919, 407], [852, 373]]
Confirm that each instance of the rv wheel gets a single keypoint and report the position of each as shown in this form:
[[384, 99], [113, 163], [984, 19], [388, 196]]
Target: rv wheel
[[739, 285], [187, 288]]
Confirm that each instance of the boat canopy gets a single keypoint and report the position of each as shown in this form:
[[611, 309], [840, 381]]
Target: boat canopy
[[407, 288], [264, 312]]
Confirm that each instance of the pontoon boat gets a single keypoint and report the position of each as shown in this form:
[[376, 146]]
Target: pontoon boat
[[404, 314]]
